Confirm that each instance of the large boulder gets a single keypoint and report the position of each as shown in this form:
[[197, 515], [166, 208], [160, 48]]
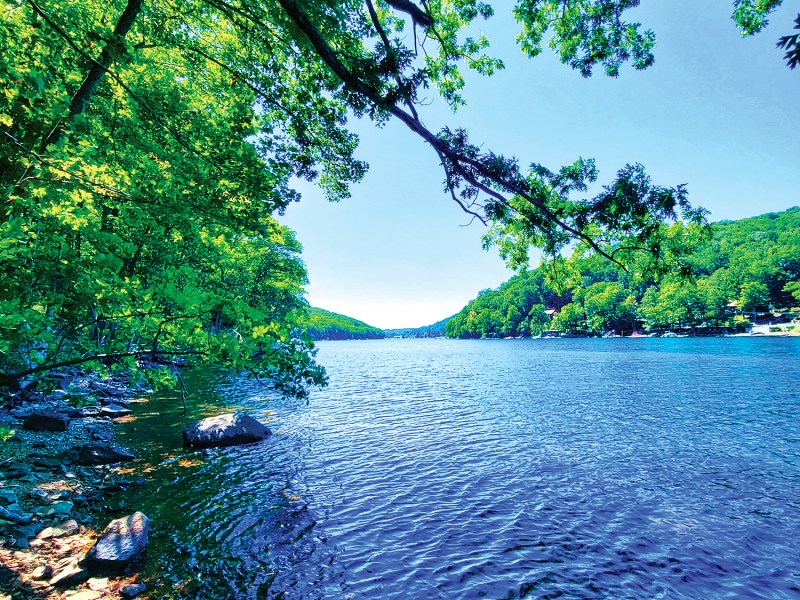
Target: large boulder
[[225, 430], [122, 541], [46, 420], [101, 454]]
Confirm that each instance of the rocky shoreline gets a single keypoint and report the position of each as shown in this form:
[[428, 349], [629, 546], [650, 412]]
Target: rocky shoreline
[[60, 479]]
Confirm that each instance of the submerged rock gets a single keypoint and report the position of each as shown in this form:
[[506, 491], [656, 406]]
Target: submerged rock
[[46, 420], [224, 430], [100, 454], [121, 542]]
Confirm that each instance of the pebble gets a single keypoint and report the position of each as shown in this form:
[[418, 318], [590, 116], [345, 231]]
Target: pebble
[[131, 591], [7, 497]]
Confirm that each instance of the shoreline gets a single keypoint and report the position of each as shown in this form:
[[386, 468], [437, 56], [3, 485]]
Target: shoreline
[[53, 505]]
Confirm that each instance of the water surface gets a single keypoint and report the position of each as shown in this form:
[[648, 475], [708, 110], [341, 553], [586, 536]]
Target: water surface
[[621, 468]]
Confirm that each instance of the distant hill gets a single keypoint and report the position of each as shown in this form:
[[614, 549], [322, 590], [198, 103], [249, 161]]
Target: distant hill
[[326, 325], [746, 273], [428, 331]]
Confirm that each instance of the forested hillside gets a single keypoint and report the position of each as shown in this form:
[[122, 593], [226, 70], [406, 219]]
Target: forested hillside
[[744, 268], [426, 331], [325, 325]]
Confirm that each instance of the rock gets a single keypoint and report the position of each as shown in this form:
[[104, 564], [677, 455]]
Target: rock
[[72, 412], [114, 411], [225, 430], [46, 420], [14, 517], [68, 528], [46, 462], [121, 542], [71, 573], [132, 590], [97, 583], [17, 470], [39, 495], [62, 507], [42, 572], [100, 454], [7, 497], [83, 595]]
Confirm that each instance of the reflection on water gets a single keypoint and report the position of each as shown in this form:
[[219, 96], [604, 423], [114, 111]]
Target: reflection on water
[[490, 469]]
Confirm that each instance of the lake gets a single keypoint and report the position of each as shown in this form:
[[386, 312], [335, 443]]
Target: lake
[[564, 468]]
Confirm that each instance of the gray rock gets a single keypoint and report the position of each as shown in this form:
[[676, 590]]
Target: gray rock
[[62, 507], [100, 454], [121, 542], [46, 420], [132, 590], [224, 430], [71, 573], [68, 528], [114, 411], [7, 497]]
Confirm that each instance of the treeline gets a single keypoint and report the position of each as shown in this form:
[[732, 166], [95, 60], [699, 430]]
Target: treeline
[[434, 330], [325, 325], [744, 268]]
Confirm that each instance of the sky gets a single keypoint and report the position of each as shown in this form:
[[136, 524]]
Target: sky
[[716, 112]]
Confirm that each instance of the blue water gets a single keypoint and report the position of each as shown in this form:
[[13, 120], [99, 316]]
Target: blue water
[[621, 468]]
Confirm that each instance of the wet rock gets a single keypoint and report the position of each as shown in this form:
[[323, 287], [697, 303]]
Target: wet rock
[[133, 590], [101, 454], [224, 430], [70, 573], [46, 420], [7, 497], [121, 542], [114, 411]]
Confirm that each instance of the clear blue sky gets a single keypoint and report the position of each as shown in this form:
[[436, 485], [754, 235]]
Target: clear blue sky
[[716, 112]]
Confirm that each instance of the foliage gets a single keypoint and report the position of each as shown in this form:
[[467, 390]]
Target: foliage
[[325, 325], [6, 433], [752, 262]]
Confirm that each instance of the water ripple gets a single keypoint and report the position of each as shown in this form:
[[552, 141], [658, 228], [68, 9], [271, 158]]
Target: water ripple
[[512, 469]]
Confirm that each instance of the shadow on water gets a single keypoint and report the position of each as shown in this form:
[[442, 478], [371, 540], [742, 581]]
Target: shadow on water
[[217, 532]]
